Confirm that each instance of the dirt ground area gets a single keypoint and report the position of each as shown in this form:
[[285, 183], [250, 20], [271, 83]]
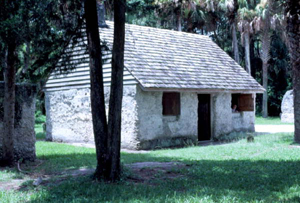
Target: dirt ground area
[[140, 172]]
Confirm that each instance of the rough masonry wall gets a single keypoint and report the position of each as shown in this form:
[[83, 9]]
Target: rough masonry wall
[[243, 121], [129, 116], [69, 116], [224, 121], [143, 125], [221, 114], [24, 140], [156, 130], [287, 107]]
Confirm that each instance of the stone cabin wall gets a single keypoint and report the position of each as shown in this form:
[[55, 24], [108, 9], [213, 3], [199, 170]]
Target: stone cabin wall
[[224, 121], [69, 117], [156, 130], [287, 107], [143, 124], [24, 140]]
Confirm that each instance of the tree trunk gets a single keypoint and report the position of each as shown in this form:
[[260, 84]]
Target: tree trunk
[[296, 90], [116, 90], [247, 52], [265, 56], [235, 46], [27, 58], [9, 107], [97, 91], [293, 28], [265, 94], [178, 21]]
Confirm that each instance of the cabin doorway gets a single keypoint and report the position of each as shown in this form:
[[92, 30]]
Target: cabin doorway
[[204, 128]]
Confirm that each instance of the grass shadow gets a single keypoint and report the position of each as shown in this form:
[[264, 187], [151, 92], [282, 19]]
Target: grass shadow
[[211, 180], [263, 171], [40, 136]]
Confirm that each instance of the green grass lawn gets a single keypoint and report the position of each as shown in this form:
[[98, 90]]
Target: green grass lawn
[[264, 171], [40, 135], [270, 121]]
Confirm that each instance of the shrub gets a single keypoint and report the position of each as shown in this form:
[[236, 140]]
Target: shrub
[[39, 117]]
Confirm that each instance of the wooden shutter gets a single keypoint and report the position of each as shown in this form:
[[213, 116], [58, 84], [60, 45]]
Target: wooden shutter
[[171, 103], [246, 102]]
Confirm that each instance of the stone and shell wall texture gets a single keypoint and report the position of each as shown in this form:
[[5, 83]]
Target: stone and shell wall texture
[[287, 107], [24, 139], [69, 116], [224, 122], [143, 125]]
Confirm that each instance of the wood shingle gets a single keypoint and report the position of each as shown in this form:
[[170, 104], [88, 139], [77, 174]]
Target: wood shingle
[[160, 59]]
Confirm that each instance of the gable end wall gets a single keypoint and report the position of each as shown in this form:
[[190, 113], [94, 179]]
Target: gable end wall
[[69, 117]]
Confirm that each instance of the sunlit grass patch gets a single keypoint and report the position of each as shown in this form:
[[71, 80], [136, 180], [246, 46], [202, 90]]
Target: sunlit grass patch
[[270, 121], [39, 132]]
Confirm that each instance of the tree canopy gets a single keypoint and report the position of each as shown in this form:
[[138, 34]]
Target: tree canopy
[[41, 31]]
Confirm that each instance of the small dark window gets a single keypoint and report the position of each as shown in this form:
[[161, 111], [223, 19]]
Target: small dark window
[[235, 103], [242, 102], [171, 103]]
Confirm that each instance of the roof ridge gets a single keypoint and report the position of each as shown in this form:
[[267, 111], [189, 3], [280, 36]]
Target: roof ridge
[[161, 29]]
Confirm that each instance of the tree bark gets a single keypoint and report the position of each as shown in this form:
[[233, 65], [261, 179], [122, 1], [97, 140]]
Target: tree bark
[[9, 107], [296, 90], [178, 21], [265, 94], [97, 91], [265, 56], [116, 90], [293, 28], [235, 44], [247, 52]]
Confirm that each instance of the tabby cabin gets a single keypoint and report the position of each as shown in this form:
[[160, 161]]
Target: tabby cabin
[[178, 88]]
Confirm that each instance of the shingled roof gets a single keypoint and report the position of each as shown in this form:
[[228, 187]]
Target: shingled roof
[[166, 60]]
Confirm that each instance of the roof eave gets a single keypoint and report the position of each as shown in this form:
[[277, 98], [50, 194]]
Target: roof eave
[[204, 90]]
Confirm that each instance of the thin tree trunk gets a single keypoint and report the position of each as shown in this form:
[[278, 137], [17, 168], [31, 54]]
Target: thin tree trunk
[[26, 62], [296, 91], [116, 90], [235, 44], [178, 21], [97, 91], [293, 28], [265, 94], [27, 58], [3, 60], [247, 52], [265, 56], [216, 37], [9, 107]]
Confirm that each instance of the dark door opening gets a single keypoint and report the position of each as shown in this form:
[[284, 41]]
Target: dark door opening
[[204, 130]]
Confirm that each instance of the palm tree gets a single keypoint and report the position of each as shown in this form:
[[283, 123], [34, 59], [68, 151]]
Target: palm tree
[[292, 11], [170, 10], [245, 28], [267, 19], [262, 24], [188, 14], [231, 8]]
